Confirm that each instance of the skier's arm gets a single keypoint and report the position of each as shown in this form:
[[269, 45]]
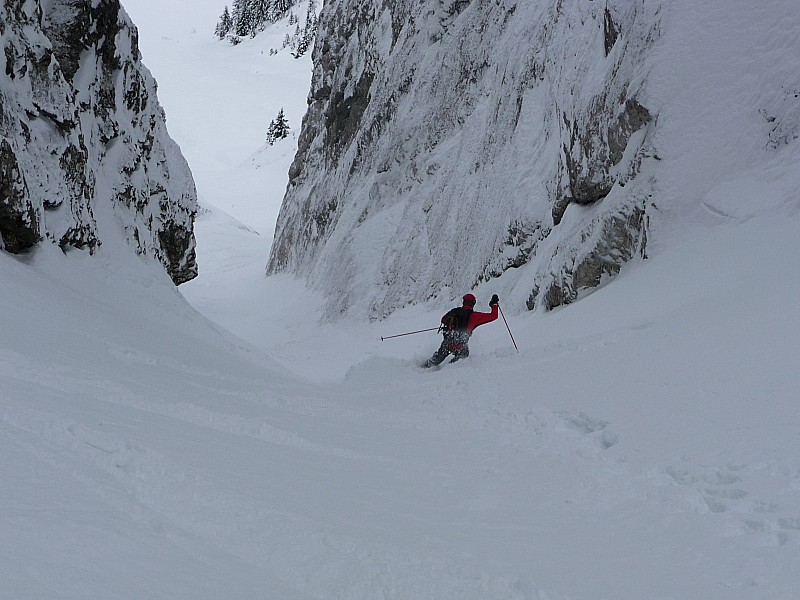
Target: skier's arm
[[479, 318]]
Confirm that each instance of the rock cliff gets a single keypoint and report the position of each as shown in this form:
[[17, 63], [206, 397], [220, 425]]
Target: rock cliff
[[449, 141], [84, 150]]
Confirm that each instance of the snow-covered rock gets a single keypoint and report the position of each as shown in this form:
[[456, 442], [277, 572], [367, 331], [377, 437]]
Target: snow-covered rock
[[84, 149], [447, 142]]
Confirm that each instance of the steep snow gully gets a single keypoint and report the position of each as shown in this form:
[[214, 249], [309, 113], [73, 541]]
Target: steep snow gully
[[642, 445], [223, 441]]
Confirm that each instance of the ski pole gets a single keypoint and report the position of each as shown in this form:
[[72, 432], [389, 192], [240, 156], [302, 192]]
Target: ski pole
[[507, 327], [388, 337]]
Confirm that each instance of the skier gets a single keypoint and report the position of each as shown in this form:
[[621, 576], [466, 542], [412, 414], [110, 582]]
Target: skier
[[457, 326]]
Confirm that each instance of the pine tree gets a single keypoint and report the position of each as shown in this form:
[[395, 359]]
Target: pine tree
[[242, 17], [248, 17], [281, 7], [278, 128], [224, 25], [259, 15], [306, 38], [311, 21]]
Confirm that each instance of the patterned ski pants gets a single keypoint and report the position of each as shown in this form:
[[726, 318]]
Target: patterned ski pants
[[457, 349]]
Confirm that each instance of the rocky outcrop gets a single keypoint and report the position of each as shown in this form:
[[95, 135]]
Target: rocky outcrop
[[449, 141], [596, 251], [83, 140], [19, 225]]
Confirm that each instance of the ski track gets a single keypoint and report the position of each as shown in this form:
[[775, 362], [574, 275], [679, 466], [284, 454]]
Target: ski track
[[456, 466], [136, 478]]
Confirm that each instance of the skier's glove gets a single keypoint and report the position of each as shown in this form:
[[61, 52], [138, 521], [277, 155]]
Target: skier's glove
[[495, 300]]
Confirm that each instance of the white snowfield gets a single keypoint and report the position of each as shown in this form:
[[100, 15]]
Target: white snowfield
[[221, 442]]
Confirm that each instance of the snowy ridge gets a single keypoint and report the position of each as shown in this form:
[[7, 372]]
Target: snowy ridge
[[85, 150]]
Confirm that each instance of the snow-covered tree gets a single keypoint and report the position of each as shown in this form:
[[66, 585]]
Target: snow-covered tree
[[249, 17], [241, 17], [282, 6], [260, 15], [278, 128], [305, 37], [279, 9], [224, 25]]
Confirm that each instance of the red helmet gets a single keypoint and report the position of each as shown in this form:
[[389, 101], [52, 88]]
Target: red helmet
[[469, 300]]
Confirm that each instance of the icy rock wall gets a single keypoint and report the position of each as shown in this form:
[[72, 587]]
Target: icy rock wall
[[84, 150], [449, 141]]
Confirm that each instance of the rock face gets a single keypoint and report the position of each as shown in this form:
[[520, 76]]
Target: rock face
[[83, 140], [448, 141]]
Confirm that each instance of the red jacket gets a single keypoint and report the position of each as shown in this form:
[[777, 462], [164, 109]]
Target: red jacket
[[479, 318], [456, 339]]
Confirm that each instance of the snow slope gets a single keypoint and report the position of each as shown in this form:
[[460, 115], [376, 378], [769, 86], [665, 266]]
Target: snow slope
[[95, 382], [642, 444]]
